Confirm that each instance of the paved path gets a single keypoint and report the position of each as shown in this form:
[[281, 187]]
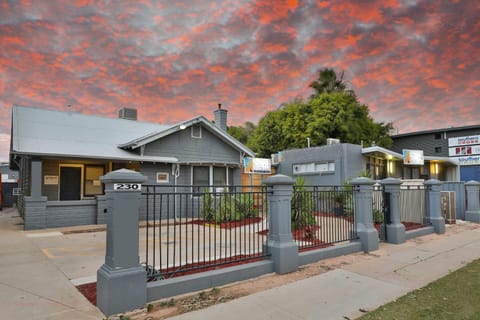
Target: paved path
[[38, 269], [31, 286]]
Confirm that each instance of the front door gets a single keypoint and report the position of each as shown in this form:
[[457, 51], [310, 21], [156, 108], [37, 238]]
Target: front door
[[70, 183]]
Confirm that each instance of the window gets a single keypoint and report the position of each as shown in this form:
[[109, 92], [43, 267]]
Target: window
[[309, 168], [196, 131], [200, 178], [219, 176], [438, 149], [93, 186], [438, 136], [203, 177]]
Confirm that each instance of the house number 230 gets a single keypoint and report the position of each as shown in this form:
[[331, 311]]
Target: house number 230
[[127, 186]]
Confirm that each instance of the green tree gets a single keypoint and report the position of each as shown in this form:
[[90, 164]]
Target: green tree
[[325, 115], [242, 133], [328, 82]]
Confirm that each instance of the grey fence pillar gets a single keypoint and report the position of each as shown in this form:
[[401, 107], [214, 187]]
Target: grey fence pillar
[[434, 213], [283, 250], [473, 204], [122, 281], [364, 213], [395, 227]]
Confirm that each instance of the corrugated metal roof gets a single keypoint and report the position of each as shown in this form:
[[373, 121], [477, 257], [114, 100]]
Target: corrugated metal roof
[[69, 134]]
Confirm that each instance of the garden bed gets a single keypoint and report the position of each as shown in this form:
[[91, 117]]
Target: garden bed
[[229, 224]]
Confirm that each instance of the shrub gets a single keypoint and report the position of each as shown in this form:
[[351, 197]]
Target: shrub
[[228, 207], [302, 206]]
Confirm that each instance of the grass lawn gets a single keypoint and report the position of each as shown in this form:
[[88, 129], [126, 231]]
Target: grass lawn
[[456, 296]]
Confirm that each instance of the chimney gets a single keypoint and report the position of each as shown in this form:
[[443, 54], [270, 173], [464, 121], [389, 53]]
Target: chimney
[[221, 118], [127, 113]]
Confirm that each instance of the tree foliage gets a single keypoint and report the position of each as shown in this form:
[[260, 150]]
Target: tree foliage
[[242, 133], [333, 112]]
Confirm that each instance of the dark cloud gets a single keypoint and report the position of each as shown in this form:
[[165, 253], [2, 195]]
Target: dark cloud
[[413, 62]]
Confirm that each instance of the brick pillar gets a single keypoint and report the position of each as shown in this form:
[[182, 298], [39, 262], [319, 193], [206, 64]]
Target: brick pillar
[[121, 280], [473, 195], [283, 250], [395, 228], [434, 212], [364, 213]]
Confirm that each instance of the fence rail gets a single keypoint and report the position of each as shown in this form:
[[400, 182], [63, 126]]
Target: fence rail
[[190, 229], [322, 216]]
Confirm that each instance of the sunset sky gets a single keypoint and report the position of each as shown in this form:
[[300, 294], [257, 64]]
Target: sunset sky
[[414, 63]]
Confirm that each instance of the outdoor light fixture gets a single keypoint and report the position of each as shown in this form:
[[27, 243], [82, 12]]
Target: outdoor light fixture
[[183, 127]]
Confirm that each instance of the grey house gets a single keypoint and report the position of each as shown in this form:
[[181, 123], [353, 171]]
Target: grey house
[[60, 157], [334, 164], [458, 145], [329, 165]]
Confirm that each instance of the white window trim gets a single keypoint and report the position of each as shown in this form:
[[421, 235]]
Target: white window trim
[[210, 175], [199, 130]]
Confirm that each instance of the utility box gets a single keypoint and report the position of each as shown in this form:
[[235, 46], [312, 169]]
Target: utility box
[[447, 206]]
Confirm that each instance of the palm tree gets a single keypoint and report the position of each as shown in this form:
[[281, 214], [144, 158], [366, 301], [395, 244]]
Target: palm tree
[[328, 82]]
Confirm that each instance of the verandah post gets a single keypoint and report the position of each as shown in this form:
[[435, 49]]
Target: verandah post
[[280, 244], [121, 280]]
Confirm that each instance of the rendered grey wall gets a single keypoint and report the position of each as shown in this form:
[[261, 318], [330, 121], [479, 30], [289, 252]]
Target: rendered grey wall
[[347, 157]]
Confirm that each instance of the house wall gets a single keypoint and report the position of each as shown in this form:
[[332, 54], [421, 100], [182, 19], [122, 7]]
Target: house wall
[[347, 157], [428, 142], [51, 167], [209, 148]]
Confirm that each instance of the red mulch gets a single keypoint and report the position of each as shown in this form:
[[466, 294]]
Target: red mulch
[[229, 224], [408, 226], [305, 233], [89, 290]]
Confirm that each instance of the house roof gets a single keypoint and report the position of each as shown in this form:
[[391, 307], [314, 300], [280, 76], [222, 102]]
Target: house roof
[[141, 141], [68, 134], [441, 130]]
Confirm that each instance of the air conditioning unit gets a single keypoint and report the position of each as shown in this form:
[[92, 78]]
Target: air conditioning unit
[[332, 141], [127, 113], [447, 206]]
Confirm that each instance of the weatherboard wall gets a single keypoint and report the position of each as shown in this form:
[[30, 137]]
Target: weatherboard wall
[[209, 148]]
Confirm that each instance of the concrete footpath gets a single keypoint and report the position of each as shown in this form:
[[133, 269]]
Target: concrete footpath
[[370, 281], [31, 285], [38, 271]]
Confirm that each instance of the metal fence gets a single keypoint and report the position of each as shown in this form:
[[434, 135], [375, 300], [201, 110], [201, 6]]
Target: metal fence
[[322, 216], [188, 230], [412, 207]]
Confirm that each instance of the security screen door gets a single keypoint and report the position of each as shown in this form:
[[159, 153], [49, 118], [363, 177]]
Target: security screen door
[[70, 183]]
